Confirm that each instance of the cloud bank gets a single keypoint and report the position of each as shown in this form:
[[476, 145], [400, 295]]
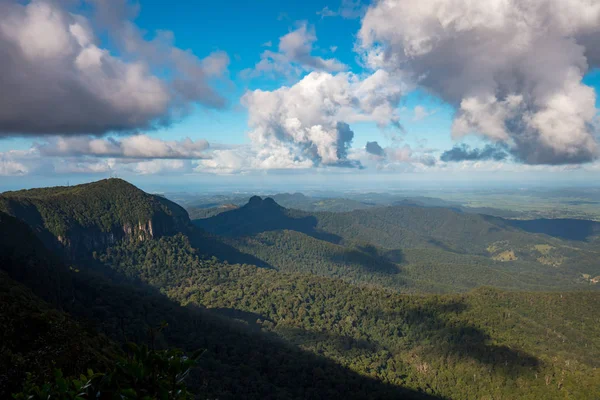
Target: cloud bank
[[512, 68], [57, 79], [134, 147]]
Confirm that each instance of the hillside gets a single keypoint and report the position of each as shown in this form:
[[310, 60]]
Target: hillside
[[37, 338], [431, 343], [292, 333], [235, 360], [433, 249], [92, 216], [483, 344]]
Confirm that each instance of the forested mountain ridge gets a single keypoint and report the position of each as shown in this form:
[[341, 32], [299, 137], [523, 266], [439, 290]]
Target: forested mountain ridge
[[237, 363], [93, 216], [400, 226], [483, 344], [444, 249], [292, 334]]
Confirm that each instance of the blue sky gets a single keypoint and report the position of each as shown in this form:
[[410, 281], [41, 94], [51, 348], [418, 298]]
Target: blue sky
[[245, 110]]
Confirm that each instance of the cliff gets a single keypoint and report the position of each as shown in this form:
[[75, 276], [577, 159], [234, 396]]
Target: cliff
[[90, 217]]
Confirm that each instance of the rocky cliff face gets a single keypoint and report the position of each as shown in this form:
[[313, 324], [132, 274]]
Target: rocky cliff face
[[81, 241]]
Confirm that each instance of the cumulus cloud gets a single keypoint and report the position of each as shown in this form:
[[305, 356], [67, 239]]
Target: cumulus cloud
[[294, 56], [512, 68], [56, 77], [33, 162], [465, 153], [150, 167], [135, 147], [308, 123]]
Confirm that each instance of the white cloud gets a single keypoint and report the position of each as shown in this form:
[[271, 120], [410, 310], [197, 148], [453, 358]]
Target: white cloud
[[138, 146], [294, 56], [394, 158], [307, 124], [57, 79], [150, 167], [9, 167], [512, 68]]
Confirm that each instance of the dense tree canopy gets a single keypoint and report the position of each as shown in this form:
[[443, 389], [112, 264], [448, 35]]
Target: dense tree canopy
[[330, 311]]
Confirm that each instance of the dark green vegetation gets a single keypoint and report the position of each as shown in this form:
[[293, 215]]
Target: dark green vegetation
[[199, 213], [142, 374], [294, 327], [486, 342], [87, 217], [411, 248]]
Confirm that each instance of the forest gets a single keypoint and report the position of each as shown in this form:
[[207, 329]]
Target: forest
[[277, 303]]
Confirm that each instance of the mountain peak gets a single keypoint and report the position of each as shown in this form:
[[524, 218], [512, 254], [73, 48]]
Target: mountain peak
[[255, 201], [95, 215], [259, 202]]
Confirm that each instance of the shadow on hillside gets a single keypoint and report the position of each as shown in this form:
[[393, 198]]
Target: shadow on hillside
[[323, 342], [569, 229], [435, 324], [430, 329], [368, 259], [238, 363], [395, 256], [251, 320], [213, 246], [262, 216], [443, 246]]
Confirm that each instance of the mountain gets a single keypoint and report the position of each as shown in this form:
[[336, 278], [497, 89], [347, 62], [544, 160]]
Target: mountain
[[388, 227], [92, 216], [57, 305], [290, 332], [211, 206], [406, 247]]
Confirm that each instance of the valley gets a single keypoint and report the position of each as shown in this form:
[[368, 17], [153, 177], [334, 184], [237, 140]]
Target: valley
[[385, 302]]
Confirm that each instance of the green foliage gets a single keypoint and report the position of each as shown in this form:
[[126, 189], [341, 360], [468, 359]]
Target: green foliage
[[436, 249], [510, 345], [143, 374], [238, 362], [292, 331], [91, 216], [36, 339], [61, 388], [485, 343]]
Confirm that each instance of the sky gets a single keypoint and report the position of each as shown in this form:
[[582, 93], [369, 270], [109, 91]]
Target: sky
[[239, 94]]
